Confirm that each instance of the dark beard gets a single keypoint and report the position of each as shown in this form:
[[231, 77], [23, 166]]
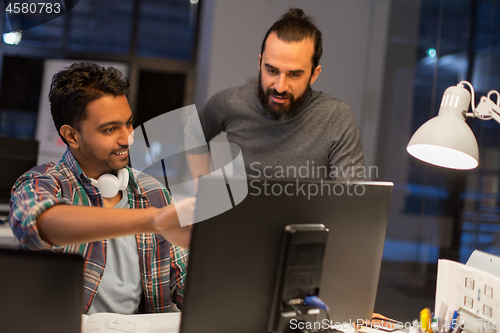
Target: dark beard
[[281, 112]]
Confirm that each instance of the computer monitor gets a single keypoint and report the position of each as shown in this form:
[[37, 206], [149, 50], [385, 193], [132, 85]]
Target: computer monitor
[[16, 157], [234, 256], [40, 291]]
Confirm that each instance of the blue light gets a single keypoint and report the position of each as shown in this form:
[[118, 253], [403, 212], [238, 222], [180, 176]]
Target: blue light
[[431, 52]]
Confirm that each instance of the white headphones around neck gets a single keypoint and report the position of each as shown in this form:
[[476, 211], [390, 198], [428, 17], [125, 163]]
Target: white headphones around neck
[[109, 184]]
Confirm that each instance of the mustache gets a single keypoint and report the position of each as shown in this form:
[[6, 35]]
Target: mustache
[[272, 91], [122, 148]]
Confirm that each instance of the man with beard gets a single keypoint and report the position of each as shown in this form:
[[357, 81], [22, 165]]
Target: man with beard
[[123, 235], [283, 127]]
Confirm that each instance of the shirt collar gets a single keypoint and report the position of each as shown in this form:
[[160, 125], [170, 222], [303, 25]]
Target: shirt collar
[[73, 165]]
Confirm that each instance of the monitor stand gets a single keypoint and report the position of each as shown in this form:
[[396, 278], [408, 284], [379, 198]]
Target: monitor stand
[[298, 281]]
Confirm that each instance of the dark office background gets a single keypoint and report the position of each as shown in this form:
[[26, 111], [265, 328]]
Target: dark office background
[[455, 212], [445, 213]]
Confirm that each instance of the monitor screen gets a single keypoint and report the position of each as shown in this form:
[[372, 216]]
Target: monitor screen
[[16, 157], [234, 256], [41, 291]]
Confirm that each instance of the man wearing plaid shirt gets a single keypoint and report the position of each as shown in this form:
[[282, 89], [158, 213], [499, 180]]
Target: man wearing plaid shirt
[[130, 254]]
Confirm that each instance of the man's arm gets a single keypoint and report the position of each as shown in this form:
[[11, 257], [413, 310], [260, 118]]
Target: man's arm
[[346, 154], [69, 224], [200, 130], [42, 218], [198, 159], [199, 165]]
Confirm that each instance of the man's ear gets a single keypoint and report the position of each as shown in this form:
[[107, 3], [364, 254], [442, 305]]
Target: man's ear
[[260, 60], [71, 135], [315, 75]]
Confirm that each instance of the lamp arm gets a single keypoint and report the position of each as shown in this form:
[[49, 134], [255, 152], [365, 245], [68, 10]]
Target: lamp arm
[[460, 84], [487, 109], [498, 96], [496, 114]]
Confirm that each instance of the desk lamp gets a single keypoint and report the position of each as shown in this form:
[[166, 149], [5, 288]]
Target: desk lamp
[[446, 140]]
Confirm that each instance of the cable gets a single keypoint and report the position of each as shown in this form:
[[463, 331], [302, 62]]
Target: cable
[[316, 302], [301, 316]]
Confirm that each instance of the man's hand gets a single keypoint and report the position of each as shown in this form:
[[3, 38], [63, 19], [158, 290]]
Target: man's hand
[[167, 222]]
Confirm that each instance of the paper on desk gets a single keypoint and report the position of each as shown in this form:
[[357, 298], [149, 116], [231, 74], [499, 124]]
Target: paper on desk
[[115, 323], [163, 322], [461, 286]]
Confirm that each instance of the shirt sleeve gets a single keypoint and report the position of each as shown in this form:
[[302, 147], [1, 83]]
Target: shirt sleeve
[[33, 193], [178, 269], [346, 153], [178, 262]]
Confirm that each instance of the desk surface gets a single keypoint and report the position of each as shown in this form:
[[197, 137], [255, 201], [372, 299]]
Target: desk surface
[[170, 323]]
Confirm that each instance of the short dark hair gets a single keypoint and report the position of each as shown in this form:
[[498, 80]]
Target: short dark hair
[[73, 88], [294, 26]]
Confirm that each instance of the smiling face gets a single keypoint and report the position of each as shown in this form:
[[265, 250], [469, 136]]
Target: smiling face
[[285, 75], [100, 145]]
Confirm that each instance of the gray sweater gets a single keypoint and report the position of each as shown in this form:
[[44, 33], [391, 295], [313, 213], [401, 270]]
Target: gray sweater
[[321, 141]]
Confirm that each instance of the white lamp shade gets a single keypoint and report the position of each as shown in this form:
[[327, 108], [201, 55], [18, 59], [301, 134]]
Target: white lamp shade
[[445, 141]]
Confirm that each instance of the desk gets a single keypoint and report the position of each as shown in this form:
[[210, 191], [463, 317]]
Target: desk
[[170, 323]]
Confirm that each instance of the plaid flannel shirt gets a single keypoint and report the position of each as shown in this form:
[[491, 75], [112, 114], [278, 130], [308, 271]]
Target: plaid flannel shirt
[[163, 265]]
